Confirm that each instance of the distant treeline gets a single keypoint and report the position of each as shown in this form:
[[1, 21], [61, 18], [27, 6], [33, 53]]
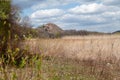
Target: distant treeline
[[81, 32], [36, 33]]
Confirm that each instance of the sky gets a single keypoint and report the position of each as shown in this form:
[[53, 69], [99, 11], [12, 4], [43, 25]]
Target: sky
[[92, 15]]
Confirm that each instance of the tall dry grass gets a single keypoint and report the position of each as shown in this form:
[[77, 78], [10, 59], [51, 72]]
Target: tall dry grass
[[70, 58], [86, 47]]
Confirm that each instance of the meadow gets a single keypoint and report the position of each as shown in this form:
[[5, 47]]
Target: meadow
[[70, 58], [77, 47]]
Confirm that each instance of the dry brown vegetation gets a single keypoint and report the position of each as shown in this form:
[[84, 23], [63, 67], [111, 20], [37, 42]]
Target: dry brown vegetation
[[85, 47], [98, 55], [70, 58]]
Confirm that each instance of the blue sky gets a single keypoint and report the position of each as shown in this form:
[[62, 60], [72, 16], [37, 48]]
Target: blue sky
[[92, 15]]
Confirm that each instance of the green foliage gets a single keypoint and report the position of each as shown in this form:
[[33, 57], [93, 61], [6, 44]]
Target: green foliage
[[9, 36], [4, 26], [23, 62], [4, 9], [14, 76]]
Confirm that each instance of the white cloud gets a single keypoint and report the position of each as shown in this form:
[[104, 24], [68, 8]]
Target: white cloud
[[56, 3], [47, 13], [88, 8], [93, 8], [83, 20], [111, 16]]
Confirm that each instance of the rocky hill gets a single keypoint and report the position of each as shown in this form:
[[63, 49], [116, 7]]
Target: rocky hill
[[51, 30]]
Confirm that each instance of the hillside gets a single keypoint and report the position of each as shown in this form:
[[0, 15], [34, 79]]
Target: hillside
[[51, 30]]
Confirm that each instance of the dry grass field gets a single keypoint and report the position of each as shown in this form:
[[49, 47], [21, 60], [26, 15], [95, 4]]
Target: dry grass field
[[98, 55], [71, 58], [78, 47]]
